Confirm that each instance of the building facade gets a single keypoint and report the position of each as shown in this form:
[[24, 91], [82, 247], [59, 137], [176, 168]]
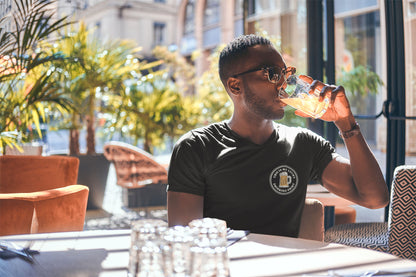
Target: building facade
[[5, 11], [147, 22], [8, 8], [202, 25]]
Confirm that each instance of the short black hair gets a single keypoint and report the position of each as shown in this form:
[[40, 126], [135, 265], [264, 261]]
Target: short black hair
[[235, 50]]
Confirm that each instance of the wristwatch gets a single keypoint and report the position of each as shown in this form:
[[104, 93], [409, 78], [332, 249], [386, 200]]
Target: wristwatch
[[355, 130]]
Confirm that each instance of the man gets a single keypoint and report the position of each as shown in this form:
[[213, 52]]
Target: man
[[253, 172]]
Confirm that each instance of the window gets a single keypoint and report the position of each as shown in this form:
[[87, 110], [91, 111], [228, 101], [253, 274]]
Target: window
[[343, 7], [5, 8], [412, 8], [189, 18], [359, 46], [97, 30], [256, 7], [211, 12], [238, 18], [159, 33], [358, 52], [188, 43], [212, 29]]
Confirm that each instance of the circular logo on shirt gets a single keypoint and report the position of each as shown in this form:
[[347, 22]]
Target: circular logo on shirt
[[283, 180]]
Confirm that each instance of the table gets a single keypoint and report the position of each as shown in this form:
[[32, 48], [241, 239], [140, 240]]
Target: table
[[105, 253], [84, 253], [262, 255]]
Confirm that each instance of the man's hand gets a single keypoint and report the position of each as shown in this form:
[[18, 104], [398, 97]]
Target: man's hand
[[339, 107]]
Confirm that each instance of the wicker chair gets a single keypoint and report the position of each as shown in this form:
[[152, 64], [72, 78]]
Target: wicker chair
[[143, 179], [398, 235]]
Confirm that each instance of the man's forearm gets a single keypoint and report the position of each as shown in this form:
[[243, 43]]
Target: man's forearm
[[367, 176], [183, 208]]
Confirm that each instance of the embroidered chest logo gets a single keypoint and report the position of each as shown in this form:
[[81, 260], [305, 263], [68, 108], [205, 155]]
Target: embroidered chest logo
[[283, 180]]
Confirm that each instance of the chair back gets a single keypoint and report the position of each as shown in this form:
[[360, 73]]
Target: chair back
[[134, 167], [36, 173], [402, 215], [312, 220]]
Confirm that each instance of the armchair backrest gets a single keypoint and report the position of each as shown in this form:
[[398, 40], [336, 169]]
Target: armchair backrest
[[402, 214], [36, 173]]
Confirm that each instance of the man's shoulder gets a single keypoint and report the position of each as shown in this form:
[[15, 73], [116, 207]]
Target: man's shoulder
[[212, 132]]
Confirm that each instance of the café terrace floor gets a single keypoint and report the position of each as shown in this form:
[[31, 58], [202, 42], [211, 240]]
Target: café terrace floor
[[114, 215]]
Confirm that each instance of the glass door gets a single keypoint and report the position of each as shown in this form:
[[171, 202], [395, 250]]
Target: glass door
[[360, 67]]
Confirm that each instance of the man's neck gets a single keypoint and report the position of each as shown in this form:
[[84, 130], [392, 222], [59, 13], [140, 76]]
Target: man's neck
[[257, 132]]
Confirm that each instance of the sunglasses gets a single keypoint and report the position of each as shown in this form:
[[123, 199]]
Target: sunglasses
[[273, 73]]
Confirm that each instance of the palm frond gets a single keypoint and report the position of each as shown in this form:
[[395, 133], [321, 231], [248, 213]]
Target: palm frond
[[33, 23]]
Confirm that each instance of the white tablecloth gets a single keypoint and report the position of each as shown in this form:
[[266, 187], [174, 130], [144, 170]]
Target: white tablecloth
[[105, 253]]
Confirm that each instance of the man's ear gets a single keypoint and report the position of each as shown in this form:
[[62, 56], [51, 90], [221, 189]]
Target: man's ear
[[234, 85]]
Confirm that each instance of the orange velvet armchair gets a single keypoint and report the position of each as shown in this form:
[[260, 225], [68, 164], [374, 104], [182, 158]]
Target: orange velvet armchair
[[39, 194]]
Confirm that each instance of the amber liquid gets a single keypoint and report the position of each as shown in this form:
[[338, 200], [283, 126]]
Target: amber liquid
[[308, 104]]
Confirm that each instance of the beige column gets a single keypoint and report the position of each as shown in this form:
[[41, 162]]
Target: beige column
[[227, 21]]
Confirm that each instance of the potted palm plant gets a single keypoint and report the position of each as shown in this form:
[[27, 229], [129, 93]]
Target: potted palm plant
[[99, 71], [23, 100]]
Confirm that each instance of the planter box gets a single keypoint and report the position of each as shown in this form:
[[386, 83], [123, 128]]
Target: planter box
[[28, 149], [147, 196], [93, 172]]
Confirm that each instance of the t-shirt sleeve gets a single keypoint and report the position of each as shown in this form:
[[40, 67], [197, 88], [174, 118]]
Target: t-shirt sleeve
[[324, 154], [186, 167]]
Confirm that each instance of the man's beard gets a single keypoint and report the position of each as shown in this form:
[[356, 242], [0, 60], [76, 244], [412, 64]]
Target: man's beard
[[260, 106]]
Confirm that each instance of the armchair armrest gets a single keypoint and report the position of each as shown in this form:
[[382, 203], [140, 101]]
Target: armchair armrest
[[15, 216], [57, 210]]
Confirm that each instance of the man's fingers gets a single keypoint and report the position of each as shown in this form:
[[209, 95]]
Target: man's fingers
[[338, 89], [306, 78], [325, 91]]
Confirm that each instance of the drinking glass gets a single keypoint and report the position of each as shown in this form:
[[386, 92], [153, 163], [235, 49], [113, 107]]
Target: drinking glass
[[146, 250], [297, 94], [177, 251], [209, 227], [209, 256]]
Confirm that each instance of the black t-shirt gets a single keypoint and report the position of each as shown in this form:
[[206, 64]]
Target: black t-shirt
[[260, 188]]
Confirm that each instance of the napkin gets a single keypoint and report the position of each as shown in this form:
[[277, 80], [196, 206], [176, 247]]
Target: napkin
[[409, 272], [235, 235], [10, 250]]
